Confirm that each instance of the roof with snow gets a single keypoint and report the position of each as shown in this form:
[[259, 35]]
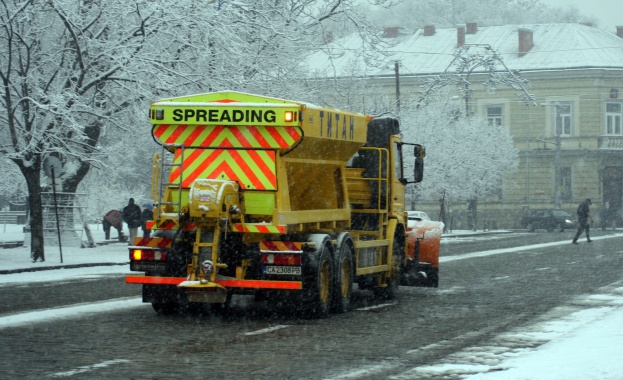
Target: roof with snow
[[549, 47]]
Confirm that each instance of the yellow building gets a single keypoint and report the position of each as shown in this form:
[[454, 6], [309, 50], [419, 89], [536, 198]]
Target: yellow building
[[573, 134]]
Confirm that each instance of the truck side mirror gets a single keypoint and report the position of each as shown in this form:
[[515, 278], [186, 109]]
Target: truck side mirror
[[418, 170]]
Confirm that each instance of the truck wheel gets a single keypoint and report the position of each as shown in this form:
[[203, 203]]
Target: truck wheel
[[392, 282], [344, 274], [318, 293], [165, 308]]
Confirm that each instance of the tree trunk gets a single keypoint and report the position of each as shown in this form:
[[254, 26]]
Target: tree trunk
[[33, 181]]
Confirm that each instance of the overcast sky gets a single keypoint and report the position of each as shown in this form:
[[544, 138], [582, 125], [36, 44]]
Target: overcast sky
[[608, 12]]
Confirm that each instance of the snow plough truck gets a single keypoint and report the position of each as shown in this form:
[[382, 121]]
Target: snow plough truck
[[283, 200]]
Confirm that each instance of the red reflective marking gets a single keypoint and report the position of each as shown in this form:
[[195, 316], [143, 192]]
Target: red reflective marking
[[294, 133], [256, 284], [160, 129], [226, 144], [292, 246], [196, 132], [223, 167], [167, 225], [261, 284], [154, 280], [277, 136], [258, 136], [270, 246], [212, 136], [237, 133], [175, 172], [176, 133], [263, 229], [189, 178], [246, 169], [268, 172]]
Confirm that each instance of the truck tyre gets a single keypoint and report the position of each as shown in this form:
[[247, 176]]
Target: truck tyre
[[318, 288], [392, 282], [165, 308], [344, 273]]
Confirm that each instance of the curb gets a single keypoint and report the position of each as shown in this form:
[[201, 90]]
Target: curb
[[475, 233], [71, 266]]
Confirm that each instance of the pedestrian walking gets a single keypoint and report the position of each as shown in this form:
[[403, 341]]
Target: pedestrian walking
[[132, 216], [584, 214], [113, 219], [146, 216]]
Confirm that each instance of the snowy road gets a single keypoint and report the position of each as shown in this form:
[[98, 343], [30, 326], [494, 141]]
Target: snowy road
[[492, 304]]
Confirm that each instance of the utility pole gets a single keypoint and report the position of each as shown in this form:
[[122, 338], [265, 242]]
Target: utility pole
[[397, 75], [557, 175], [557, 164]]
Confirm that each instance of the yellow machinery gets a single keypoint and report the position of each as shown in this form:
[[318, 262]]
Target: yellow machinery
[[264, 196]]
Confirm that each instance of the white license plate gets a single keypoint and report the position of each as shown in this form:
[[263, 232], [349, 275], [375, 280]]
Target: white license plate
[[271, 269]]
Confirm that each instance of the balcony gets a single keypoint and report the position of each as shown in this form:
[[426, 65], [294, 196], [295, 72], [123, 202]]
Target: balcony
[[611, 142]]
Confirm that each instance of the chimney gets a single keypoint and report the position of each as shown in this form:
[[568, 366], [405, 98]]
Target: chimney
[[460, 35], [525, 41], [620, 31], [391, 32], [472, 28], [429, 30], [327, 37]]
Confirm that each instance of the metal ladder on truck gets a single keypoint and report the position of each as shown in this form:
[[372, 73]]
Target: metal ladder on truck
[[161, 171]]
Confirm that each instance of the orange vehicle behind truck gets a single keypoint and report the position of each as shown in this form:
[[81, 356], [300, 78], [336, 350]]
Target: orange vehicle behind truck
[[280, 199]]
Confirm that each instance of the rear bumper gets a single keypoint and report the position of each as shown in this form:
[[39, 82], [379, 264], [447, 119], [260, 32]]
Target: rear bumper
[[227, 282]]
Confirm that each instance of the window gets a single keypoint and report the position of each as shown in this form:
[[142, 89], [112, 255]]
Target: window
[[565, 178], [613, 118], [563, 118], [494, 116]]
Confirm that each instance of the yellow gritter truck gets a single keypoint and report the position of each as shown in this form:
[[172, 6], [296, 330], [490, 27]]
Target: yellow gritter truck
[[280, 199]]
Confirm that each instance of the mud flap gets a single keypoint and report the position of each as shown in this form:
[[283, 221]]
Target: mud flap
[[208, 292]]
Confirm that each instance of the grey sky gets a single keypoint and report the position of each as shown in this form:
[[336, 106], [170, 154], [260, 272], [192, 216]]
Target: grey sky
[[608, 12]]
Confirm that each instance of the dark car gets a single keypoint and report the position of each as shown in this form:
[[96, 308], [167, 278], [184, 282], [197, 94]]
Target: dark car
[[549, 219]]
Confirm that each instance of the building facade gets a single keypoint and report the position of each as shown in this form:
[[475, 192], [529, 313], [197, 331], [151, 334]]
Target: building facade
[[570, 138]]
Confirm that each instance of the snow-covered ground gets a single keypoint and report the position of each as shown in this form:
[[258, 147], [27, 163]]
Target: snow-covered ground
[[579, 341]]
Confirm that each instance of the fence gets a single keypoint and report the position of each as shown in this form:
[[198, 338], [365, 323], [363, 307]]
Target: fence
[[13, 217]]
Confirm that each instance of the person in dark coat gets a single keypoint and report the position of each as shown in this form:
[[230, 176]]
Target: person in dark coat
[[584, 214], [113, 219], [147, 215], [132, 216]]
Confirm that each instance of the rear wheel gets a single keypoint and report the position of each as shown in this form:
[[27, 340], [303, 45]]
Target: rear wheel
[[344, 274], [319, 286], [165, 308]]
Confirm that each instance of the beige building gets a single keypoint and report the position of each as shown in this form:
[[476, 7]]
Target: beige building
[[570, 140]]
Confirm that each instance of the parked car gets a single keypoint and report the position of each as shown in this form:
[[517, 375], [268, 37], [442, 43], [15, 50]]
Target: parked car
[[548, 219], [413, 217]]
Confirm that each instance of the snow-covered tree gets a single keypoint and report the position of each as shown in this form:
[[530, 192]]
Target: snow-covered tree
[[488, 63], [466, 158], [76, 76]]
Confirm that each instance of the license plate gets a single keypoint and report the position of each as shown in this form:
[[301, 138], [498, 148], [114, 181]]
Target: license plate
[[142, 266], [271, 269]]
